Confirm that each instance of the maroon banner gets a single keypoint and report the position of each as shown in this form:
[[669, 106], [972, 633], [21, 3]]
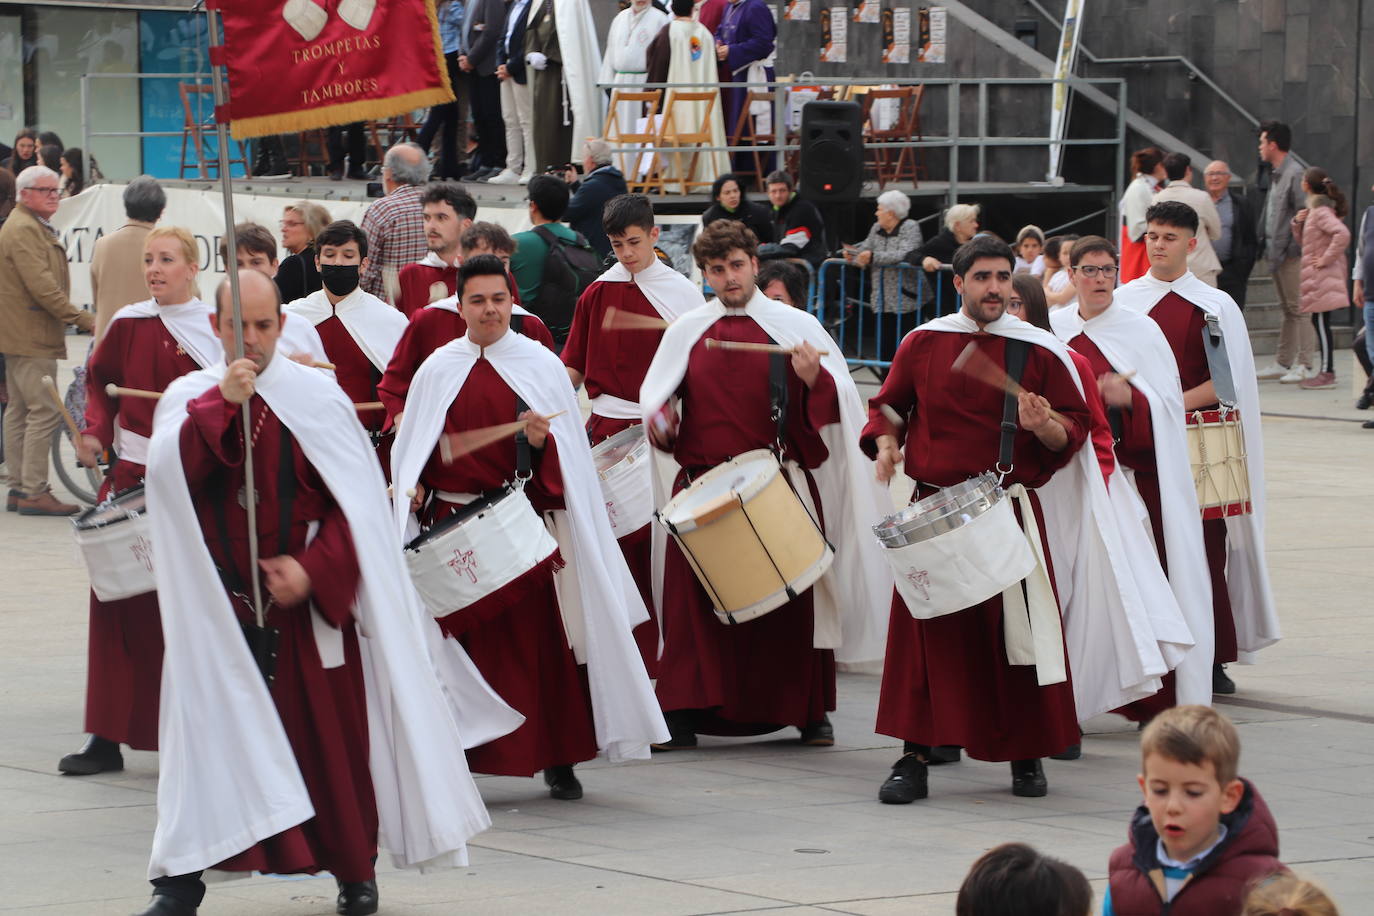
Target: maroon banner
[[302, 64]]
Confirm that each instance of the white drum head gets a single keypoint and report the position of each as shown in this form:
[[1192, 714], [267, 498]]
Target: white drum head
[[744, 476], [626, 443]]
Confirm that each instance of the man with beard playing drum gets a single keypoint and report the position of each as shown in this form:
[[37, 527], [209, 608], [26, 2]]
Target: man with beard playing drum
[[948, 680], [709, 402]]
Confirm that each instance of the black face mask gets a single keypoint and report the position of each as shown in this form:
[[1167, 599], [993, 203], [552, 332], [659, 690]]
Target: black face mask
[[339, 279]]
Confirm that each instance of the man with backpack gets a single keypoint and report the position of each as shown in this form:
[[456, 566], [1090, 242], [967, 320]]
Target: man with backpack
[[552, 263], [616, 329]]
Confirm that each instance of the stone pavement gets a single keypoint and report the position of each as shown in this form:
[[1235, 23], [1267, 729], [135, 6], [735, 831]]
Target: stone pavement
[[761, 825]]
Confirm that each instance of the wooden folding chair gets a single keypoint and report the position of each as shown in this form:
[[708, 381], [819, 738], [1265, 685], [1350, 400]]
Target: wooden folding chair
[[891, 164], [196, 123], [618, 134], [396, 129], [746, 134], [307, 157], [673, 135]]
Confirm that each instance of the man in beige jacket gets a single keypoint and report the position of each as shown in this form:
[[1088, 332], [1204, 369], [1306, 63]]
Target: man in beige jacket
[[35, 307], [1203, 261], [117, 264]]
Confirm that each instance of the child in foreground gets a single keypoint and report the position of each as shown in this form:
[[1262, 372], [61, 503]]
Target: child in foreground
[[1204, 836], [1289, 895], [1015, 880]]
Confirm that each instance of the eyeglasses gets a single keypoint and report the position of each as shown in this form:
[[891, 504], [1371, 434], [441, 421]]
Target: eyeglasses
[[49, 191], [1092, 270]]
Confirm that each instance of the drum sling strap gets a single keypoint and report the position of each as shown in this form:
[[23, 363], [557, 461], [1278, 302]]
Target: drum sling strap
[[262, 641], [1218, 364], [1016, 366]]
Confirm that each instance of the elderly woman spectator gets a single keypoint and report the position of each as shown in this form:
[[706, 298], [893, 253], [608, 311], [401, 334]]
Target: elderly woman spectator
[[297, 275], [961, 224], [889, 239], [730, 202]]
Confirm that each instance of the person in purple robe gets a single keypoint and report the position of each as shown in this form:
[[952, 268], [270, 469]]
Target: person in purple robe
[[745, 42]]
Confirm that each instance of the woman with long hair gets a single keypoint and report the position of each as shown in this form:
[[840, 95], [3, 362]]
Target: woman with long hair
[[728, 201], [1147, 165], [1321, 288], [25, 151], [297, 275], [73, 165]]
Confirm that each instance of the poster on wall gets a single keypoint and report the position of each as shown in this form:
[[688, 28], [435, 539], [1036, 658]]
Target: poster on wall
[[835, 35], [1063, 69], [932, 35], [897, 35], [867, 11], [798, 11]]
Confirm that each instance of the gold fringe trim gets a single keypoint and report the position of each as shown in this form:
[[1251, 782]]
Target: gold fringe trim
[[346, 113]]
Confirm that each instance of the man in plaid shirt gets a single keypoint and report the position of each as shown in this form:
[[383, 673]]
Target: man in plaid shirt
[[394, 225]]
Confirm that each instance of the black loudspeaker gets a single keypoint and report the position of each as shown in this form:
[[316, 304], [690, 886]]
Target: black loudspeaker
[[832, 151]]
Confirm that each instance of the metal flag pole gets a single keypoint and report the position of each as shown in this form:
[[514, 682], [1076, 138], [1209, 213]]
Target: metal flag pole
[[260, 647]]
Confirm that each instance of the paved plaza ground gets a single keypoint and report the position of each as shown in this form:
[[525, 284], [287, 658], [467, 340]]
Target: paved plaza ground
[[762, 825]]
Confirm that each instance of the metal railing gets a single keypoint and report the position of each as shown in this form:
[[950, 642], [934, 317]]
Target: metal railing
[[952, 141], [87, 134], [868, 310]]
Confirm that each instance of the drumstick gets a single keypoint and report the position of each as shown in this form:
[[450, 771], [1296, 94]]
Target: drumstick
[[119, 391], [66, 414], [315, 365], [455, 445], [618, 320], [368, 405], [973, 361], [714, 344]]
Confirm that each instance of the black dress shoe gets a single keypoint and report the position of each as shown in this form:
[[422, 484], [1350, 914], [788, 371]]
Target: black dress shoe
[[819, 734], [1028, 779], [1366, 401], [907, 783], [682, 729], [563, 785], [1221, 681], [945, 753], [357, 898], [357, 175], [336, 174], [1367, 424], [163, 905], [1072, 752], [97, 755]]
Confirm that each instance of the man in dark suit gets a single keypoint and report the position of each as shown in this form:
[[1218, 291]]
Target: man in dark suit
[[1239, 243], [602, 181], [485, 26]]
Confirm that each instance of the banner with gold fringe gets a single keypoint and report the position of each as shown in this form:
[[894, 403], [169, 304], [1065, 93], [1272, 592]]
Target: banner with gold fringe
[[296, 65]]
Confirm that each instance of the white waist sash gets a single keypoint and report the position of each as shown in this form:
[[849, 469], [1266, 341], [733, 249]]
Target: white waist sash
[[614, 408], [130, 446]]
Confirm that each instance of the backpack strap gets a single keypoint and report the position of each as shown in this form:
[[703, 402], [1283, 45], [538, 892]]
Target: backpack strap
[[551, 240]]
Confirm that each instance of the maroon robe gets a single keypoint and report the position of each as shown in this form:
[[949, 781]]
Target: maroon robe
[[615, 362], [1183, 324], [323, 710], [1136, 450], [765, 673], [414, 282], [515, 636], [946, 681], [355, 373], [430, 329], [124, 650]]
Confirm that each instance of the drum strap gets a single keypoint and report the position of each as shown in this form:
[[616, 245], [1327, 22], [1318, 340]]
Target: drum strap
[[1218, 364], [1016, 366], [777, 395], [522, 443]]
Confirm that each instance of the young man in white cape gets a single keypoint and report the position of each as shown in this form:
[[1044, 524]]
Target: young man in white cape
[[532, 636], [1244, 617], [993, 682], [358, 330], [447, 210], [344, 740], [706, 403], [1138, 380], [616, 328]]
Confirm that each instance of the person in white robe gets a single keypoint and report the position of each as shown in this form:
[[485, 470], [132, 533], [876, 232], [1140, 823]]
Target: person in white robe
[[626, 66]]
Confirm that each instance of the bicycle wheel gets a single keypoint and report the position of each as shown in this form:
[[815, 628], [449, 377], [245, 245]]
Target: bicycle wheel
[[81, 481]]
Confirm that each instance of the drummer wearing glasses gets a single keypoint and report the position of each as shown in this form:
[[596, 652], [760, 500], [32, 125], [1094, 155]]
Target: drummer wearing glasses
[[947, 680]]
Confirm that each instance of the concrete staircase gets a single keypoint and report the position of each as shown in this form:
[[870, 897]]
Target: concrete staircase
[[1263, 315]]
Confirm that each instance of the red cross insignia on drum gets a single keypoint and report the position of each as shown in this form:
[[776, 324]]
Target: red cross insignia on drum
[[920, 579], [464, 562], [143, 552]]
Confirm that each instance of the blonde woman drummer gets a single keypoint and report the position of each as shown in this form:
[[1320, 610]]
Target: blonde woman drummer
[[146, 346]]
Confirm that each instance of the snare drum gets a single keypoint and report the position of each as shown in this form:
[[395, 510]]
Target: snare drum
[[956, 548], [1216, 449], [484, 546], [748, 537], [622, 464], [115, 540]]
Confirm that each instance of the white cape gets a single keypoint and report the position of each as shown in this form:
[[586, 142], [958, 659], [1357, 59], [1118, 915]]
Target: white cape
[[687, 116], [597, 594], [670, 293], [299, 338], [1114, 657], [228, 776], [187, 322], [1247, 572], [374, 326], [1133, 343], [854, 597], [581, 62]]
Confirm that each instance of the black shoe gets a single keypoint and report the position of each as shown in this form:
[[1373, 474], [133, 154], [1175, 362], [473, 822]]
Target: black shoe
[[163, 905], [97, 755], [357, 898], [945, 753], [336, 174], [563, 785], [1367, 424], [1072, 752], [907, 783], [819, 734], [1366, 401], [12, 501], [682, 731], [357, 175], [1028, 779], [1221, 681]]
